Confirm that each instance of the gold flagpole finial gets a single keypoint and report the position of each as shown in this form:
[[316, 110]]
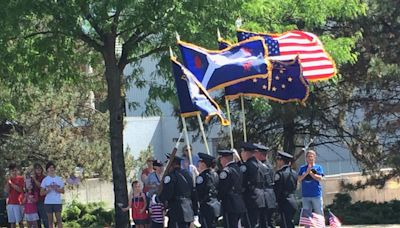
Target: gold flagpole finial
[[171, 53], [218, 34]]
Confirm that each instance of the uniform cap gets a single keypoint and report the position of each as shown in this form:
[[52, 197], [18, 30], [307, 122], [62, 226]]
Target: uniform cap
[[284, 156], [176, 158], [261, 148], [247, 146], [208, 159], [225, 153], [157, 163]]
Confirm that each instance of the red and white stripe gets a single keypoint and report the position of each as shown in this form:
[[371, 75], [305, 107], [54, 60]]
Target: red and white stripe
[[334, 222], [316, 63]]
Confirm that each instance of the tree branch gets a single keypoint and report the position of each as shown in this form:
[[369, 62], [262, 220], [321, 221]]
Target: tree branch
[[91, 42], [92, 22]]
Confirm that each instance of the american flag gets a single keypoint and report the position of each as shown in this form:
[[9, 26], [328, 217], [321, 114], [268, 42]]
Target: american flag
[[316, 63], [311, 219], [334, 222]]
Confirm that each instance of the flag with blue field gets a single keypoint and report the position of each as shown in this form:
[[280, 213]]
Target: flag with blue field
[[220, 68], [193, 98], [287, 84]]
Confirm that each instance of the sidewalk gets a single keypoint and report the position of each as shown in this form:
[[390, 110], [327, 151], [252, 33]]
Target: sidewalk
[[372, 226]]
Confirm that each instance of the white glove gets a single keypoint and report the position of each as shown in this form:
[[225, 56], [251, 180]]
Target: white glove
[[196, 222], [193, 169], [153, 199]]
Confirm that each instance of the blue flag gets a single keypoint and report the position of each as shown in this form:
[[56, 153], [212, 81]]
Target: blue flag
[[272, 44], [217, 69], [287, 85], [193, 98]]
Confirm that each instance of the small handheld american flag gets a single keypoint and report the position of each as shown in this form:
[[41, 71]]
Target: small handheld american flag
[[308, 218], [334, 222]]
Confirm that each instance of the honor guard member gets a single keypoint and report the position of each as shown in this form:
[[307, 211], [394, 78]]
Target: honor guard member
[[177, 193], [206, 187], [253, 193], [230, 189], [285, 187], [268, 187]]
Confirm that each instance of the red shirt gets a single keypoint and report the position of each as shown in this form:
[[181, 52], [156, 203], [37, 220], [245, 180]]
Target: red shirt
[[30, 204], [15, 197], [37, 188]]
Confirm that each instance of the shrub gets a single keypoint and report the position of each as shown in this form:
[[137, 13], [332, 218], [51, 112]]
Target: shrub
[[90, 215], [365, 212]]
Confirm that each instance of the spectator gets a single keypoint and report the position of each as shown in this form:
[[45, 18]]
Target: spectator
[[30, 208], [15, 189], [138, 203], [37, 178], [157, 213], [310, 176], [146, 172], [52, 187], [154, 178], [185, 164]]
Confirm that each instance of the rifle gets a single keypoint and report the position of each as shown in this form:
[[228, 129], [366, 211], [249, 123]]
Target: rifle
[[170, 160]]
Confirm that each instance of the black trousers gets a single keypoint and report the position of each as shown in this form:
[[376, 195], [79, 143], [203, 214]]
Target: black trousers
[[250, 219], [287, 214], [266, 218], [207, 220], [174, 224], [231, 220]]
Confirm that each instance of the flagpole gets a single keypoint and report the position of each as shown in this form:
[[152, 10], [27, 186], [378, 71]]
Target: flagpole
[[188, 147], [203, 133], [243, 119], [230, 121]]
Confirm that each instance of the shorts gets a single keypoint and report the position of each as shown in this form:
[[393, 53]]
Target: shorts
[[14, 213], [31, 217], [52, 208], [141, 221]]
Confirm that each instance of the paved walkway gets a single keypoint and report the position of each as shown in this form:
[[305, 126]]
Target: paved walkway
[[373, 226]]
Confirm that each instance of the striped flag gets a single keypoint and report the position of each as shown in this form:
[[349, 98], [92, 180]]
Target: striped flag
[[311, 219], [334, 222], [317, 64]]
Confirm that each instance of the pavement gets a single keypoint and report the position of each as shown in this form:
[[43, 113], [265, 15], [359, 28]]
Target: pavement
[[360, 226], [373, 226]]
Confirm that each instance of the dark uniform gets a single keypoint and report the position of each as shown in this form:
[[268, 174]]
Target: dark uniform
[[206, 187], [253, 194], [178, 193], [285, 187], [230, 192], [268, 188]]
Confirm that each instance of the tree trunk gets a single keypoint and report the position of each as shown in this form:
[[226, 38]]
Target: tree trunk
[[289, 131], [113, 77]]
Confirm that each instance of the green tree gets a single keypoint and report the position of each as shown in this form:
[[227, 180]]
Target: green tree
[[64, 129], [285, 125], [40, 39], [373, 106]]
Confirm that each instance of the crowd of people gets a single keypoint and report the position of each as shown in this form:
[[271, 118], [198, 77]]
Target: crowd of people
[[243, 190], [34, 197]]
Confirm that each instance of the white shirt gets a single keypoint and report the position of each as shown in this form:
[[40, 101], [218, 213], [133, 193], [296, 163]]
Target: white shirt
[[52, 197]]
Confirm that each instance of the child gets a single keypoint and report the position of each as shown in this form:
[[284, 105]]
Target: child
[[157, 213], [137, 201], [52, 187], [30, 209]]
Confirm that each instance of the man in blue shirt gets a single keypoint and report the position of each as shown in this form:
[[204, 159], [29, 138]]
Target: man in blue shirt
[[310, 176]]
